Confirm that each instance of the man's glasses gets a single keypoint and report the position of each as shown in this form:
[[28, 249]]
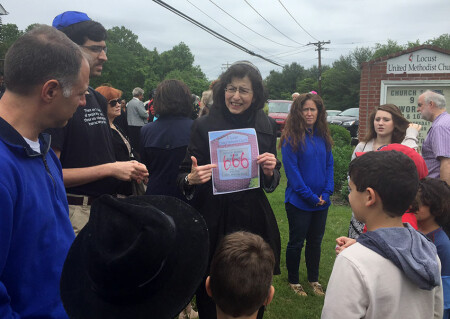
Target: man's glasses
[[242, 91], [114, 102], [96, 48]]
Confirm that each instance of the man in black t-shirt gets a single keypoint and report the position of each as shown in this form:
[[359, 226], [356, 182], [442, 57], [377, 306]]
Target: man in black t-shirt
[[84, 146]]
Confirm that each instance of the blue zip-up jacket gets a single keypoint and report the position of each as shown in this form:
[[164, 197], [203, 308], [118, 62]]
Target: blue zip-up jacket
[[309, 172], [35, 230]]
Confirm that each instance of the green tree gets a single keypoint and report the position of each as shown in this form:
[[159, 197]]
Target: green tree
[[385, 49], [414, 44], [9, 33], [126, 39], [340, 84], [282, 85], [126, 67], [131, 65], [31, 26], [178, 58], [313, 72], [310, 82], [274, 84], [307, 85], [194, 78], [361, 55], [442, 41]]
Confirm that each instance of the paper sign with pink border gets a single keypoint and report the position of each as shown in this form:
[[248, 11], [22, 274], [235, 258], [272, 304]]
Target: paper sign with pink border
[[234, 152]]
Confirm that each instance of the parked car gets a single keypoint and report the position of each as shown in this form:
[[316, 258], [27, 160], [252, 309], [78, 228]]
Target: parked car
[[349, 119], [279, 110], [331, 113]]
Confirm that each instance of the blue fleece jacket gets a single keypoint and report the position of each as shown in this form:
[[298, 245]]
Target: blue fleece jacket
[[309, 172], [35, 230], [442, 242], [409, 250]]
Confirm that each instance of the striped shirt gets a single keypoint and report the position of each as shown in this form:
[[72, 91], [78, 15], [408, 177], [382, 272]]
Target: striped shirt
[[437, 144]]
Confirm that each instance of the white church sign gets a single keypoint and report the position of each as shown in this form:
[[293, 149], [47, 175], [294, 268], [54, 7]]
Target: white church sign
[[419, 62]]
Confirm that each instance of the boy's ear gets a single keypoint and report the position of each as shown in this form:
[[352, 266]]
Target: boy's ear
[[270, 296], [371, 196], [208, 287]]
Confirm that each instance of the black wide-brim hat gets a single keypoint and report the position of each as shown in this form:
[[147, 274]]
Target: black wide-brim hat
[[138, 257]]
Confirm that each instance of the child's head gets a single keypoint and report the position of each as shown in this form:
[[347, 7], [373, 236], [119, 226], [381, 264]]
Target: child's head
[[390, 176], [433, 201], [241, 274]]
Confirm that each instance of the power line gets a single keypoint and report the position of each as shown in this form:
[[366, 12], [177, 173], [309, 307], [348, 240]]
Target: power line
[[285, 54], [285, 45], [296, 20], [225, 27], [271, 23], [214, 33]]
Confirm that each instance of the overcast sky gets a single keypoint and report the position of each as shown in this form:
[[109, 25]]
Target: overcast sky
[[346, 23]]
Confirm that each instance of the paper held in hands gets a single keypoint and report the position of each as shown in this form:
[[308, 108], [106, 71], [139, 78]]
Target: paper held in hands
[[234, 152]]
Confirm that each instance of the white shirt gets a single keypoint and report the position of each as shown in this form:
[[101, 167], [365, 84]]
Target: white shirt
[[363, 284], [35, 146]]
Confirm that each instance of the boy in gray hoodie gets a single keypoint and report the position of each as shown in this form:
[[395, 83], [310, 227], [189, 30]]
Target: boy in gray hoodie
[[392, 271]]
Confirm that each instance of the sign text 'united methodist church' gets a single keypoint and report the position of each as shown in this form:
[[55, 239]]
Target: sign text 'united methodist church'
[[421, 61]]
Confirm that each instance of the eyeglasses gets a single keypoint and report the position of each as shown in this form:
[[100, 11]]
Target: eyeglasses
[[242, 91], [114, 102], [96, 48]]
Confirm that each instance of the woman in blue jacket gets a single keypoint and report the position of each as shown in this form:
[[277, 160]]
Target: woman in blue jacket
[[308, 162]]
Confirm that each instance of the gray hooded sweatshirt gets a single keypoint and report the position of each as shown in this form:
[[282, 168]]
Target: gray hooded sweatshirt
[[409, 250]]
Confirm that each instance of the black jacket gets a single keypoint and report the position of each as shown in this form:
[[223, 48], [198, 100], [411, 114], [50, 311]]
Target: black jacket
[[247, 210]]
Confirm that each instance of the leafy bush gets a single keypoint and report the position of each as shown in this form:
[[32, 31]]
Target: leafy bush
[[345, 191], [342, 153], [342, 156], [341, 136], [266, 108]]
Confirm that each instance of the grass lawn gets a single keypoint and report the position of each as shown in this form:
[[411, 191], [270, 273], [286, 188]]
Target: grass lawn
[[286, 304]]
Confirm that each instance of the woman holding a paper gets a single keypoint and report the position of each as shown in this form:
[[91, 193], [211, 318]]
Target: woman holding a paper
[[308, 162], [231, 162]]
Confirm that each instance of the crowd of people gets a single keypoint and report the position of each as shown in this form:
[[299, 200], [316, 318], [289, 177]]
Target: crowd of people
[[108, 208]]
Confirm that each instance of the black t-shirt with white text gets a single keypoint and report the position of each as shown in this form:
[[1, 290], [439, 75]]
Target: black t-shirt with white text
[[86, 141]]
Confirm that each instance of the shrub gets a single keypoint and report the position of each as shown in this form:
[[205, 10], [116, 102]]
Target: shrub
[[342, 156], [345, 191], [342, 153], [341, 136]]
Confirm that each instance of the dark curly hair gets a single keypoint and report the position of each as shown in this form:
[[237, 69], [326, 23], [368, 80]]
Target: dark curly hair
[[295, 128], [400, 123], [435, 194], [240, 70]]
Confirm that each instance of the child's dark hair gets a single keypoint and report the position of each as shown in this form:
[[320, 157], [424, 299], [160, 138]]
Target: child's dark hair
[[435, 194], [241, 273], [392, 174]]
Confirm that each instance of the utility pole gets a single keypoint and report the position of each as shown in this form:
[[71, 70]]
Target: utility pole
[[320, 47], [225, 66]]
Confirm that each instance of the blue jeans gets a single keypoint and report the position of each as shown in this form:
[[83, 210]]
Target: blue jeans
[[304, 225]]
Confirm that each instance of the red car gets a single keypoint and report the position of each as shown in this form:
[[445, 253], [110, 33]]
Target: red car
[[279, 110]]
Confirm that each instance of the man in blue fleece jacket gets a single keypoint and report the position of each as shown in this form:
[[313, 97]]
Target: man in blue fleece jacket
[[393, 271], [46, 77]]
